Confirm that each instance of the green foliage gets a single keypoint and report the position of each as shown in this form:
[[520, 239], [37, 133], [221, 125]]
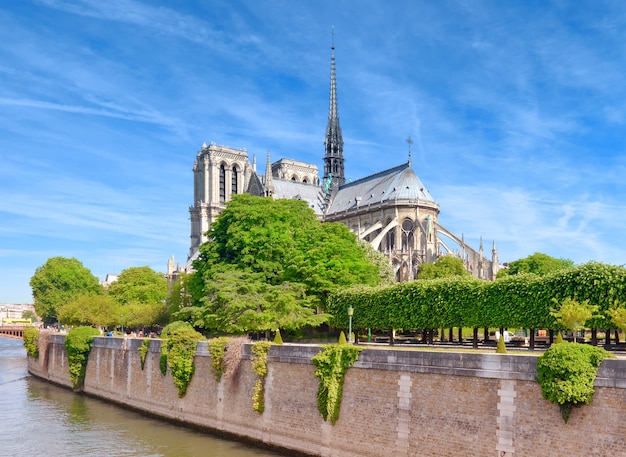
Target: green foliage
[[179, 296], [58, 282], [165, 334], [31, 341], [331, 364], [342, 338], [444, 267], [78, 345], [618, 316], [180, 348], [566, 373], [217, 348], [163, 358], [141, 293], [272, 264], [278, 339], [559, 338], [90, 310], [143, 351], [28, 314], [260, 349], [573, 314], [501, 349], [537, 263], [519, 301]]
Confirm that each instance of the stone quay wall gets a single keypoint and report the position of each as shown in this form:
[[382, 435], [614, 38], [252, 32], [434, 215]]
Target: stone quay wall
[[395, 402]]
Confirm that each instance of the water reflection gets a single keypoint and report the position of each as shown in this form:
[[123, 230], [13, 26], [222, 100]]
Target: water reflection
[[49, 420]]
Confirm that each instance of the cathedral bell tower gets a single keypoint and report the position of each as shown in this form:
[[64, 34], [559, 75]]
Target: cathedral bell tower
[[333, 143]]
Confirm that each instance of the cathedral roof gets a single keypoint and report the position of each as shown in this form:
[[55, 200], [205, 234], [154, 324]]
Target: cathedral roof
[[398, 183], [299, 191]]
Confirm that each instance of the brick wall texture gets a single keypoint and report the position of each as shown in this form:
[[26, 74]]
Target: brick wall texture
[[402, 403]]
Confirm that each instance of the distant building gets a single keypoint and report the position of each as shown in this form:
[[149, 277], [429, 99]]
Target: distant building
[[391, 209], [109, 278]]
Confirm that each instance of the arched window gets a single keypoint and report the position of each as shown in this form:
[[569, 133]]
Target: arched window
[[234, 181], [408, 240], [222, 183]]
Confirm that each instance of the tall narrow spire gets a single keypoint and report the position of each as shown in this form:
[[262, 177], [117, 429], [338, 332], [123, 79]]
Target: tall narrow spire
[[333, 143], [269, 182]]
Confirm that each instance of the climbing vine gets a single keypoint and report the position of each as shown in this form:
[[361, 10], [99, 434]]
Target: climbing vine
[[78, 345], [331, 364], [217, 348], [143, 351], [566, 372], [31, 341], [180, 350], [260, 349]]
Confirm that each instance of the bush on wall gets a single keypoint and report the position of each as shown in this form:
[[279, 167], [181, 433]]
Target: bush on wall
[[566, 373], [143, 351], [217, 349], [78, 345], [180, 350], [331, 364], [31, 341], [260, 349]]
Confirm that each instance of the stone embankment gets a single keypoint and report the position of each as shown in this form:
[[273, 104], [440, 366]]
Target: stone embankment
[[395, 402]]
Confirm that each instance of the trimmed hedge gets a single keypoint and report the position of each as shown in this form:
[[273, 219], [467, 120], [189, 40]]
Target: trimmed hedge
[[521, 301]]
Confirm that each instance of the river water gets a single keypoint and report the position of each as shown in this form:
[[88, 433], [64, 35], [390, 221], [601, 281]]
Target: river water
[[41, 419]]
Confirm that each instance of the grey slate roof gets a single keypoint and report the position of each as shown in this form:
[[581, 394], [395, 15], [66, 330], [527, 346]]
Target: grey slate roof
[[398, 183], [300, 191]]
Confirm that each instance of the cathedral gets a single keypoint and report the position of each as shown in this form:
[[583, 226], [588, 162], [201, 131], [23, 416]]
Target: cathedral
[[391, 209]]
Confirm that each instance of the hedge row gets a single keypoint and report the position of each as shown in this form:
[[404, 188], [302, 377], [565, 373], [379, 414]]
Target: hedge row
[[521, 301]]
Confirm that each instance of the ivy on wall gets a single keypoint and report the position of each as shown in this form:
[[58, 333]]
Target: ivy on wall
[[217, 349], [259, 350], [181, 350], [78, 345], [331, 364], [566, 373], [31, 341], [143, 351]]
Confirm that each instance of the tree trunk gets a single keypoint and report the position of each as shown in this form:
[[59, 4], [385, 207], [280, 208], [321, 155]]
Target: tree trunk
[[460, 335], [551, 336], [531, 346], [486, 334], [451, 335], [594, 337], [475, 339]]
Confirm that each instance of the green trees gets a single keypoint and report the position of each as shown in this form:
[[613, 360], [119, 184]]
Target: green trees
[[90, 309], [141, 294], [444, 267], [272, 264], [59, 281], [572, 314], [537, 263]]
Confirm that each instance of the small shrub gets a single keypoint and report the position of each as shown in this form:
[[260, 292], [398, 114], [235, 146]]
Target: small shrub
[[163, 358], [559, 338], [342, 338], [501, 349], [331, 364], [78, 345], [217, 348], [566, 373], [260, 349], [143, 351], [31, 341], [278, 339]]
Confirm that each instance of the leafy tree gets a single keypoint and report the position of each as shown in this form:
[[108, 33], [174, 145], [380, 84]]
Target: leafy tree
[[59, 281], [444, 267], [239, 302], [90, 309], [537, 263], [28, 314], [142, 294], [271, 264], [179, 295], [573, 314], [618, 316]]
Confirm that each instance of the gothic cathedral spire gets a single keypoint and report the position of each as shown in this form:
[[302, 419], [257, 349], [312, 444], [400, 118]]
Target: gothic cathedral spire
[[333, 143]]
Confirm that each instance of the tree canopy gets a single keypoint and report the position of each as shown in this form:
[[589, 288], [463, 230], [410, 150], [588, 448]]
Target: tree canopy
[[444, 267], [271, 263], [141, 293], [59, 281], [90, 309], [537, 263]]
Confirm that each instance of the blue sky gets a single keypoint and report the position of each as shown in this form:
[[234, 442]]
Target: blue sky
[[517, 110]]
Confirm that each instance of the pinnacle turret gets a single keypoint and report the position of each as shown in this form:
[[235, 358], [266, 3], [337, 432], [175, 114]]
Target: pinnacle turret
[[333, 143]]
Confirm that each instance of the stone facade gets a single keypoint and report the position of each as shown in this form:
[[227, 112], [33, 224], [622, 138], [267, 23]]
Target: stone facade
[[395, 402]]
